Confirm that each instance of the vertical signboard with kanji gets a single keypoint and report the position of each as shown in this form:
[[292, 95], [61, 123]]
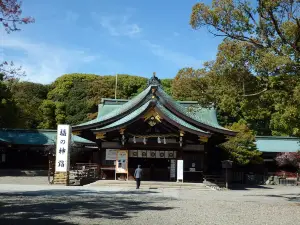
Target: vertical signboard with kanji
[[122, 162], [63, 142], [179, 170]]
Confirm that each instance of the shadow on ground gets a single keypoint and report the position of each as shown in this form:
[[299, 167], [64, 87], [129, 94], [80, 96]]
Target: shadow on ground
[[56, 206], [295, 198], [248, 187], [289, 197]]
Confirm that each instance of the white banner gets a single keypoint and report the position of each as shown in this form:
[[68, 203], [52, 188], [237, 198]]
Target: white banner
[[179, 170], [63, 145], [122, 161], [111, 154], [152, 154]]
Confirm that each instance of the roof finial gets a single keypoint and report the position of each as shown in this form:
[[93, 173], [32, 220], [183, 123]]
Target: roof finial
[[153, 80]]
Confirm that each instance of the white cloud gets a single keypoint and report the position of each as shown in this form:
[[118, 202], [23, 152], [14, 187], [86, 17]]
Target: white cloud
[[43, 63], [117, 25], [177, 58]]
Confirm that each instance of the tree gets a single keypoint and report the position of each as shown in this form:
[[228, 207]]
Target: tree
[[74, 98], [8, 108], [269, 31], [242, 148], [10, 17], [47, 109], [189, 84], [167, 85], [289, 159], [28, 97]]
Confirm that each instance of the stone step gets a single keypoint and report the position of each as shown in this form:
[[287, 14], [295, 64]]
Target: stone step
[[150, 185]]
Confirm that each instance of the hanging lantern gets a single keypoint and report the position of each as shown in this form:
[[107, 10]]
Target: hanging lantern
[[134, 140], [123, 139], [180, 141], [158, 140], [145, 141]]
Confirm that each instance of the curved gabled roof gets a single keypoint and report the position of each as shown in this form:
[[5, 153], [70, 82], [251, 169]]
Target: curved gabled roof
[[135, 115], [111, 114], [204, 117], [127, 107], [162, 111]]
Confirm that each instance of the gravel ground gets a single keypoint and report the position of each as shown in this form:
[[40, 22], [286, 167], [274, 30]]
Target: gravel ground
[[24, 180], [44, 204]]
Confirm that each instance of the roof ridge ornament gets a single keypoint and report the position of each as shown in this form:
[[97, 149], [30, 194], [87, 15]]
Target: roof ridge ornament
[[154, 80]]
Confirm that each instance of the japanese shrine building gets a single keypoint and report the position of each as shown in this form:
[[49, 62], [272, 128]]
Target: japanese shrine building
[[156, 130]]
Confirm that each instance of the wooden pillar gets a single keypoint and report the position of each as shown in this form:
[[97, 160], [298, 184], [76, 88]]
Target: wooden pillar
[[206, 144]]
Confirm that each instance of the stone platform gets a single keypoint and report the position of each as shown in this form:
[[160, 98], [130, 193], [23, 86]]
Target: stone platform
[[149, 184]]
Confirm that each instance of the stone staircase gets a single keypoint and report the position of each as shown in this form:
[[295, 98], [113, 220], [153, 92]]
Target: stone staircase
[[214, 181], [150, 185]]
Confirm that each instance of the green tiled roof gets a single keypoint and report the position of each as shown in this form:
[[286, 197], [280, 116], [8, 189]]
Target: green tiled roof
[[105, 109], [138, 112], [277, 144], [110, 111], [122, 109], [178, 120], [127, 118], [202, 115], [34, 137], [4, 140]]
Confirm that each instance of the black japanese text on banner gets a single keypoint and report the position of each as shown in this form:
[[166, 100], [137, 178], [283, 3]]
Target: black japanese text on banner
[[63, 145]]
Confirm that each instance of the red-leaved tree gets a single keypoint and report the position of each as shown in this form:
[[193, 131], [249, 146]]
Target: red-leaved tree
[[10, 15], [289, 159], [10, 18]]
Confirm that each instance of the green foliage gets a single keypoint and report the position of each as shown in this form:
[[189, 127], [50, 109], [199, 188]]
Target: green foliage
[[242, 148], [268, 24], [8, 108], [167, 85], [28, 98], [47, 109], [255, 76], [189, 84], [74, 98]]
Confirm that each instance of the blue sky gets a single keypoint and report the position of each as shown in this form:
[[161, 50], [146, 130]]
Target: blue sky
[[107, 37]]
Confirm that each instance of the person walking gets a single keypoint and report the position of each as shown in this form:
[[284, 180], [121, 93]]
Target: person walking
[[138, 175]]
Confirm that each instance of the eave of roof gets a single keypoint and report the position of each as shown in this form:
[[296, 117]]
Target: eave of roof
[[133, 116], [35, 137], [127, 107], [162, 111], [277, 144], [192, 117]]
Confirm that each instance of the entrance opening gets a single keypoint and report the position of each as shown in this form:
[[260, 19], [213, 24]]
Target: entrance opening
[[153, 169]]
